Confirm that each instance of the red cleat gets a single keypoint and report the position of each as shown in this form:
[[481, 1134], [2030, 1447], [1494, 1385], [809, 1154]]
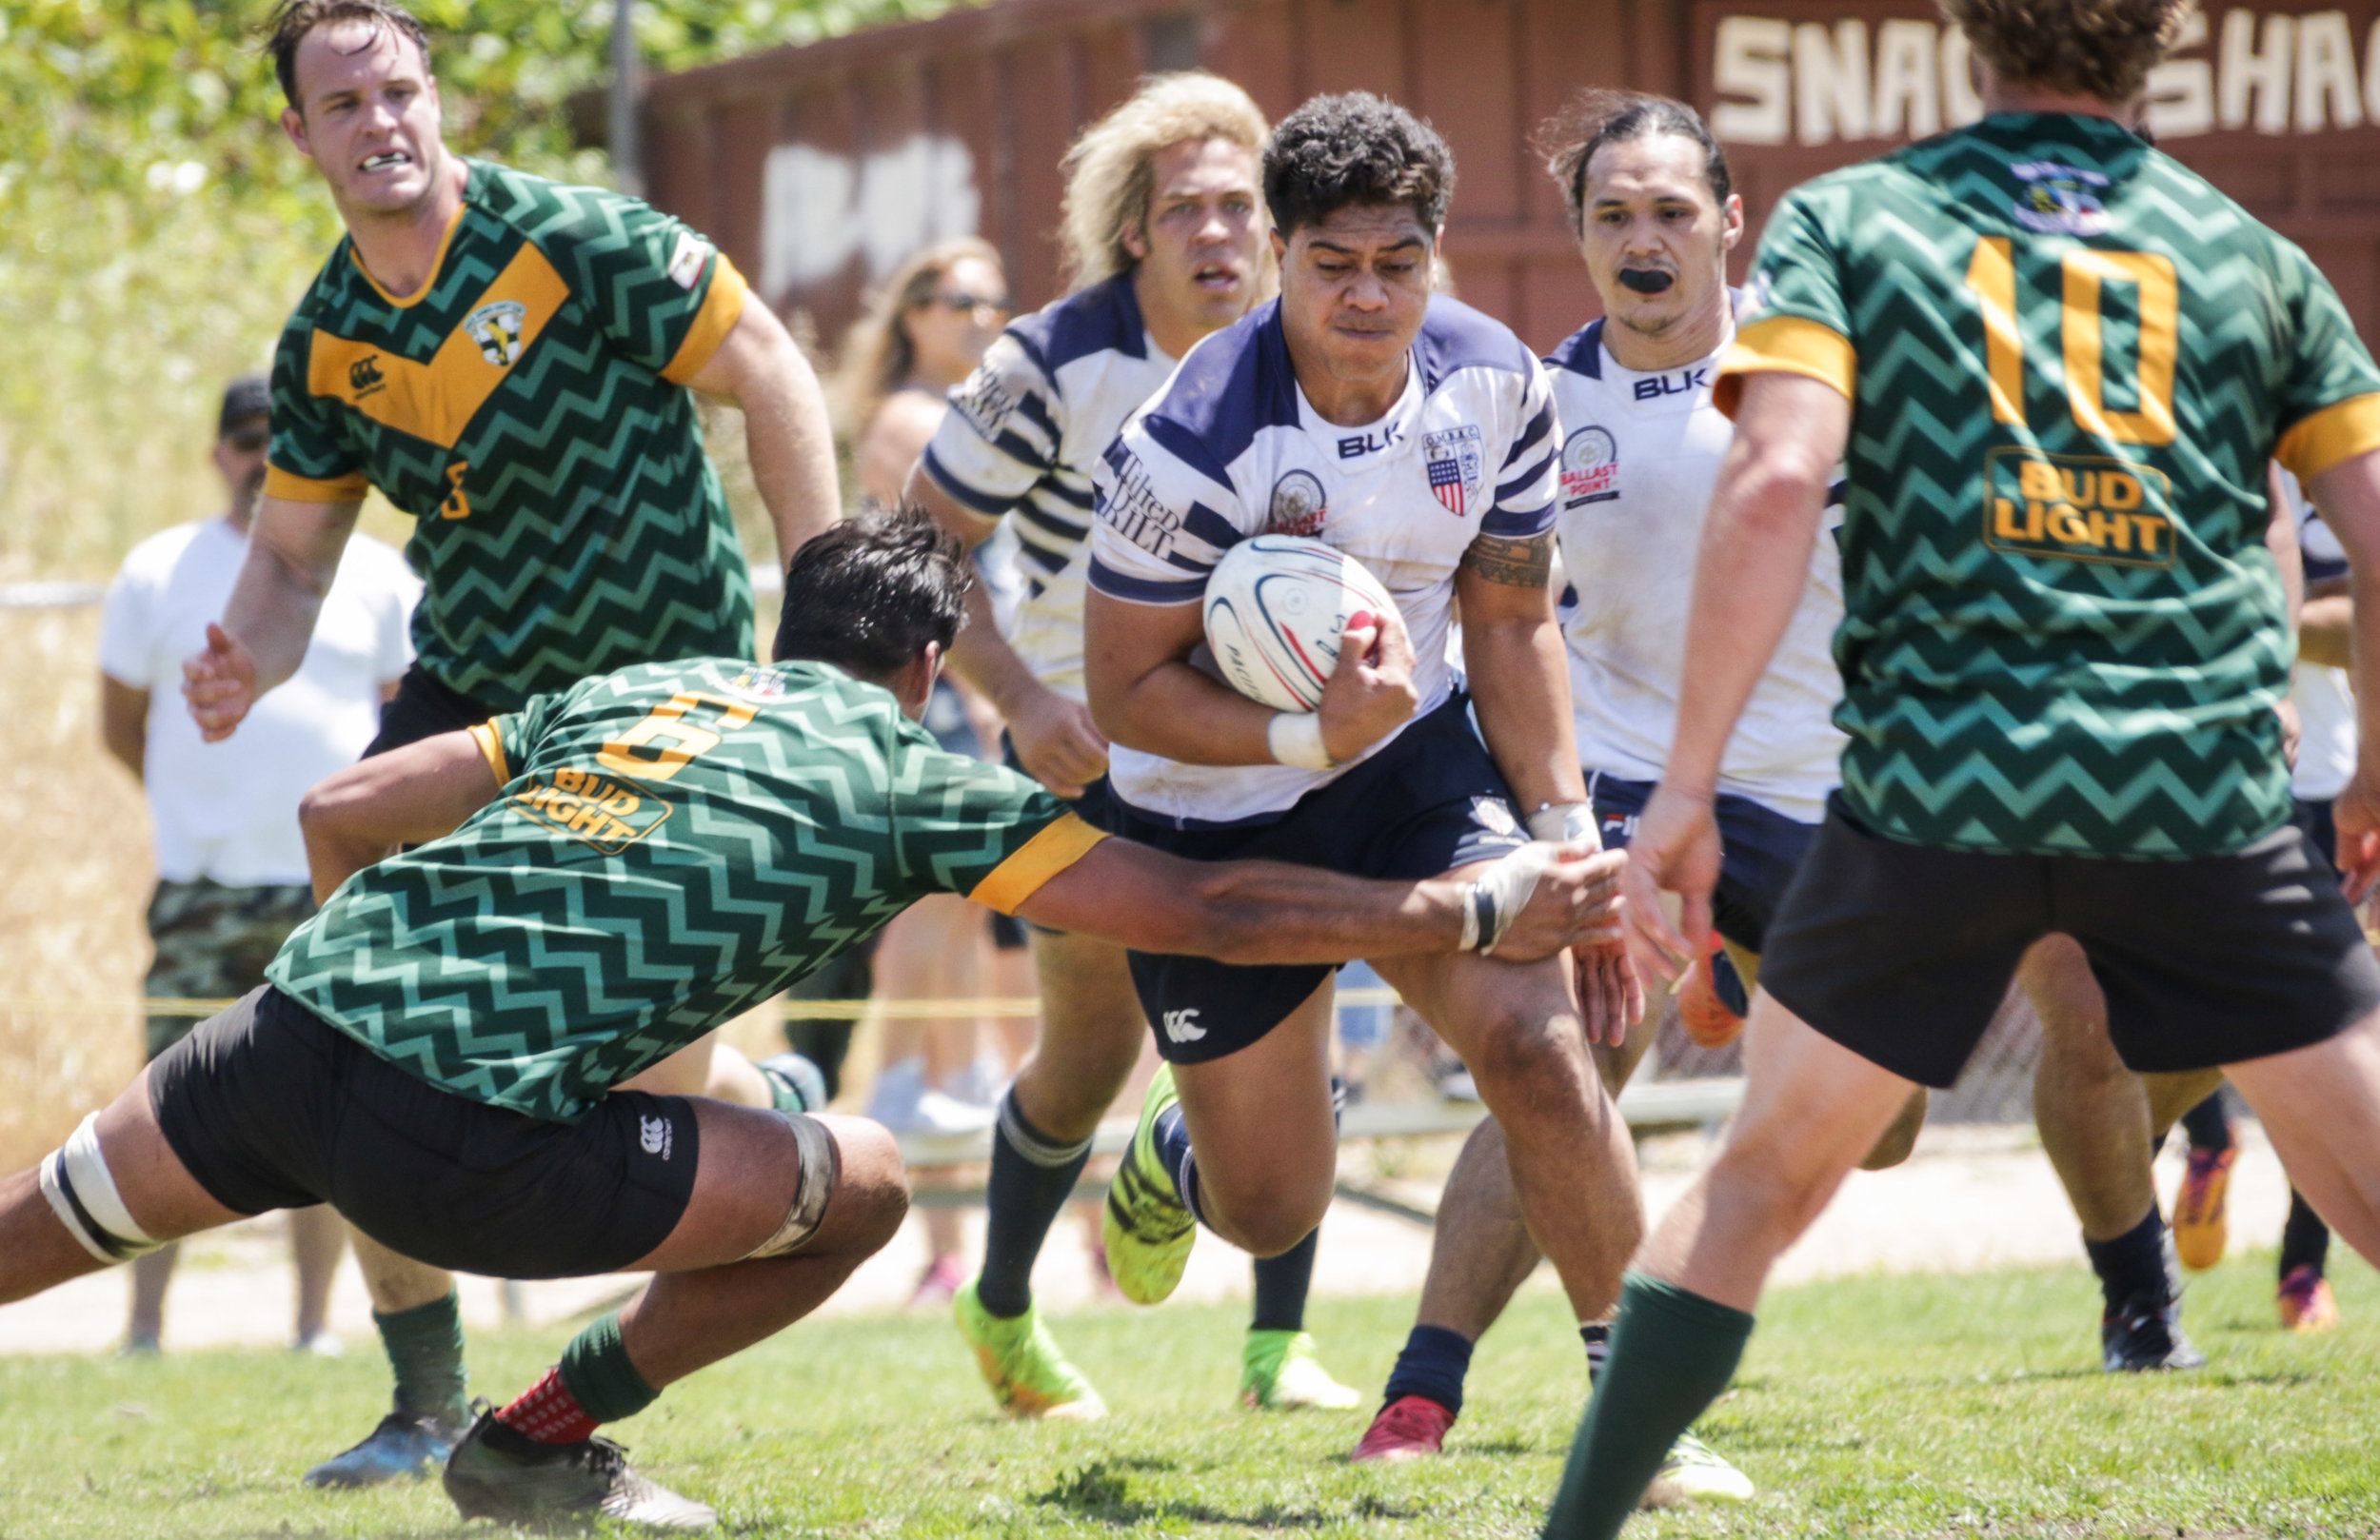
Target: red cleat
[[1407, 1429], [1707, 1020]]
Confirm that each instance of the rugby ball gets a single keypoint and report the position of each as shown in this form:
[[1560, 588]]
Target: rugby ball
[[1275, 607]]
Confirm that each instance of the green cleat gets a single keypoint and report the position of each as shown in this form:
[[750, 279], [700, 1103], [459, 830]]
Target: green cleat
[[1028, 1376], [1695, 1472], [1278, 1371], [1147, 1230]]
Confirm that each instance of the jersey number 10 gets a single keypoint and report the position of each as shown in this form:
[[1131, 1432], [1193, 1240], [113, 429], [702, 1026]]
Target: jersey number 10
[[2087, 270]]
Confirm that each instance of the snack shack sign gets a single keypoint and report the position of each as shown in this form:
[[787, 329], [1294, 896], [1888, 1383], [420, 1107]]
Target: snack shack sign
[[1813, 75]]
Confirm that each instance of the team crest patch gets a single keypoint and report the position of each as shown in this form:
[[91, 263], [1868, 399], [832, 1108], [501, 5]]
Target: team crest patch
[[1590, 467], [760, 685], [687, 259], [497, 327], [1493, 814], [1297, 505], [1455, 461], [2057, 200]]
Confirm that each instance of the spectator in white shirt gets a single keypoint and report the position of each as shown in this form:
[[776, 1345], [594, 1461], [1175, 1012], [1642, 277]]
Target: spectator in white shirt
[[232, 871]]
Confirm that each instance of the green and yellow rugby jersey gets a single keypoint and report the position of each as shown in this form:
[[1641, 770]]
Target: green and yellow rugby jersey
[[2069, 361], [671, 845], [528, 407]]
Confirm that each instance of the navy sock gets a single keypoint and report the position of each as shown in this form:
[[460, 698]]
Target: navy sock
[[1432, 1367], [1172, 1136], [1597, 1337], [2209, 1124], [1032, 1177], [2133, 1265], [2305, 1240], [1281, 1284]]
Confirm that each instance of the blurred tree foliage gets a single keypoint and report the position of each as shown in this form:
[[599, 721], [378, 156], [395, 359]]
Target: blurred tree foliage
[[156, 226]]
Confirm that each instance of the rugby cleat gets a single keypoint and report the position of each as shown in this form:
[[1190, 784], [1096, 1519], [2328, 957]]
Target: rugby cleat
[[2307, 1304], [1408, 1427], [404, 1444], [1146, 1227], [498, 1474], [1695, 1472], [1708, 1020], [1278, 1371], [2202, 1229], [2146, 1335], [1028, 1376]]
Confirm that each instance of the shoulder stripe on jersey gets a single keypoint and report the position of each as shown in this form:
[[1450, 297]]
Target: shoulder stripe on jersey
[[973, 501], [1117, 584], [1231, 385], [1509, 523], [1029, 407], [491, 748], [1210, 526], [2338, 432], [1188, 447], [291, 487], [1581, 352], [1061, 844], [1040, 556], [1456, 337], [1104, 318], [1067, 530], [1080, 498], [1785, 344], [723, 306], [1539, 428], [1525, 479]]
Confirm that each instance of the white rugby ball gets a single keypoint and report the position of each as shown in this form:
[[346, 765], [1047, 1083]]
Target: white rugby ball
[[1275, 607]]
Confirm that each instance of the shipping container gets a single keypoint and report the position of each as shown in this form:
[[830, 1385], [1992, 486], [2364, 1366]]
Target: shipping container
[[820, 168]]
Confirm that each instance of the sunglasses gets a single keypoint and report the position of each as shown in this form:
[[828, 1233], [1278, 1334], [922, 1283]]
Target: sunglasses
[[968, 303], [249, 440]]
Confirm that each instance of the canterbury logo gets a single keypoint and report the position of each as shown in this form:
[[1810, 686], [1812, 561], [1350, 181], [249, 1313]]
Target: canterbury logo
[[1182, 1026], [364, 375], [655, 1135]]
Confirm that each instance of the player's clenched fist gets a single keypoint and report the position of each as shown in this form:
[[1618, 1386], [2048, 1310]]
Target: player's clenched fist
[[219, 683], [1370, 693]]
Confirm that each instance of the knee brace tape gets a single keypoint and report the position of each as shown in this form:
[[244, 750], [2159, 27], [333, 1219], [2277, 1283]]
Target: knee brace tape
[[84, 1197], [821, 1169]]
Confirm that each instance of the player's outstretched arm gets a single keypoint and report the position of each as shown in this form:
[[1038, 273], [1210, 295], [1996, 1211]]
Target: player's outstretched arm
[[1538, 901], [293, 552], [1055, 738], [402, 798], [785, 430], [2348, 496]]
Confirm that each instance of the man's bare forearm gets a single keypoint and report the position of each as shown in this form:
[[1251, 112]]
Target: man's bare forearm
[[278, 594], [792, 452], [1521, 690], [1261, 913]]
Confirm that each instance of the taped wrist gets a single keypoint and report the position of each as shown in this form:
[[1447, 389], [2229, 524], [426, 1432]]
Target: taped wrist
[[83, 1194], [1562, 823], [1294, 738], [1500, 894], [822, 1171]]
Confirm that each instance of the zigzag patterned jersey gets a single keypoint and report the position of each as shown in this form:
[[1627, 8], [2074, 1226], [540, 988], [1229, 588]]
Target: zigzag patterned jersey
[[2069, 361], [669, 846], [527, 407]]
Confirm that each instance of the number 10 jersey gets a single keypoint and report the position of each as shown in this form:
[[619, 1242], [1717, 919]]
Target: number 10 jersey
[[2070, 359]]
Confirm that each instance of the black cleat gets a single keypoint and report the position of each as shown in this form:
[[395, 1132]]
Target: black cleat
[[2146, 1334], [404, 1444], [498, 1474]]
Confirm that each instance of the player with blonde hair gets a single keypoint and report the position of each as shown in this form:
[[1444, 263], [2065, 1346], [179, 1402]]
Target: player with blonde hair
[[1164, 236]]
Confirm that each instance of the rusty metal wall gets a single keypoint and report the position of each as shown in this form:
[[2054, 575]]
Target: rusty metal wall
[[818, 169]]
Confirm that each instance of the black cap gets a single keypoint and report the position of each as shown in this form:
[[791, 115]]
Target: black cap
[[249, 396]]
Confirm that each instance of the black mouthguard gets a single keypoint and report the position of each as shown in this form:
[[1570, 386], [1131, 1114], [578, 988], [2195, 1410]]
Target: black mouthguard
[[1646, 282]]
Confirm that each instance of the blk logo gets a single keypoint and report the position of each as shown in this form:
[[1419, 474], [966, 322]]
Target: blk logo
[[1182, 1026], [1653, 388], [1356, 446]]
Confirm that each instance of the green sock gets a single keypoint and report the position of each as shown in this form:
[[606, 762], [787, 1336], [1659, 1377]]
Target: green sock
[[1673, 1351], [596, 1372], [426, 1348]]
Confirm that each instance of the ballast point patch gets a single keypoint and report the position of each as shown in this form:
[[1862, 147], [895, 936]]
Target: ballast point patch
[[2078, 507]]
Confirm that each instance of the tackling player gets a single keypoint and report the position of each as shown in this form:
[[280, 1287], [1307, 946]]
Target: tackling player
[[2059, 363], [684, 840], [509, 360], [1418, 436], [1651, 201], [1165, 235]]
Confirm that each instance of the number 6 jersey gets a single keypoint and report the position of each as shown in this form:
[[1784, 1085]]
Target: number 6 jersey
[[2069, 360]]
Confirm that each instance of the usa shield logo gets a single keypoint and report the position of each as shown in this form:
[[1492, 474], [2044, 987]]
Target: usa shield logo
[[1454, 460]]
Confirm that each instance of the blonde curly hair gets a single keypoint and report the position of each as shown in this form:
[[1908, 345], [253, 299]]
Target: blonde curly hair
[[2096, 48], [1109, 174]]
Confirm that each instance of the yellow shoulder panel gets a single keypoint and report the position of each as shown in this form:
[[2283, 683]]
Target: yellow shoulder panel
[[1034, 862]]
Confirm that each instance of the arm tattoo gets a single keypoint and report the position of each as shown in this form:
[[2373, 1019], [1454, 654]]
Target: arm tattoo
[[1515, 564]]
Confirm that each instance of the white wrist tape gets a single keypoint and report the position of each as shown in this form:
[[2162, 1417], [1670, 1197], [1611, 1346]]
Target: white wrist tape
[[83, 1194], [1500, 894], [1296, 739], [1560, 823]]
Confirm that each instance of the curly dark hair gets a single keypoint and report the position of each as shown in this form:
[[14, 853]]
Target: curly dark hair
[[1357, 148], [1592, 119], [292, 19], [2097, 48], [870, 593]]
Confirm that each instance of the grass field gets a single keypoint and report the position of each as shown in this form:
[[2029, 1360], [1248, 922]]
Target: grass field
[[1920, 1406]]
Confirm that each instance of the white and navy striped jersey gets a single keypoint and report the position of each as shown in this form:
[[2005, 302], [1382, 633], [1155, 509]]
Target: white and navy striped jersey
[[1028, 426], [1233, 449], [1640, 454], [2325, 696]]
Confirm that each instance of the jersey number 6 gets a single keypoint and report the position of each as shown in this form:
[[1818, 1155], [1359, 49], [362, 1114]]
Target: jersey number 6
[[1992, 274]]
